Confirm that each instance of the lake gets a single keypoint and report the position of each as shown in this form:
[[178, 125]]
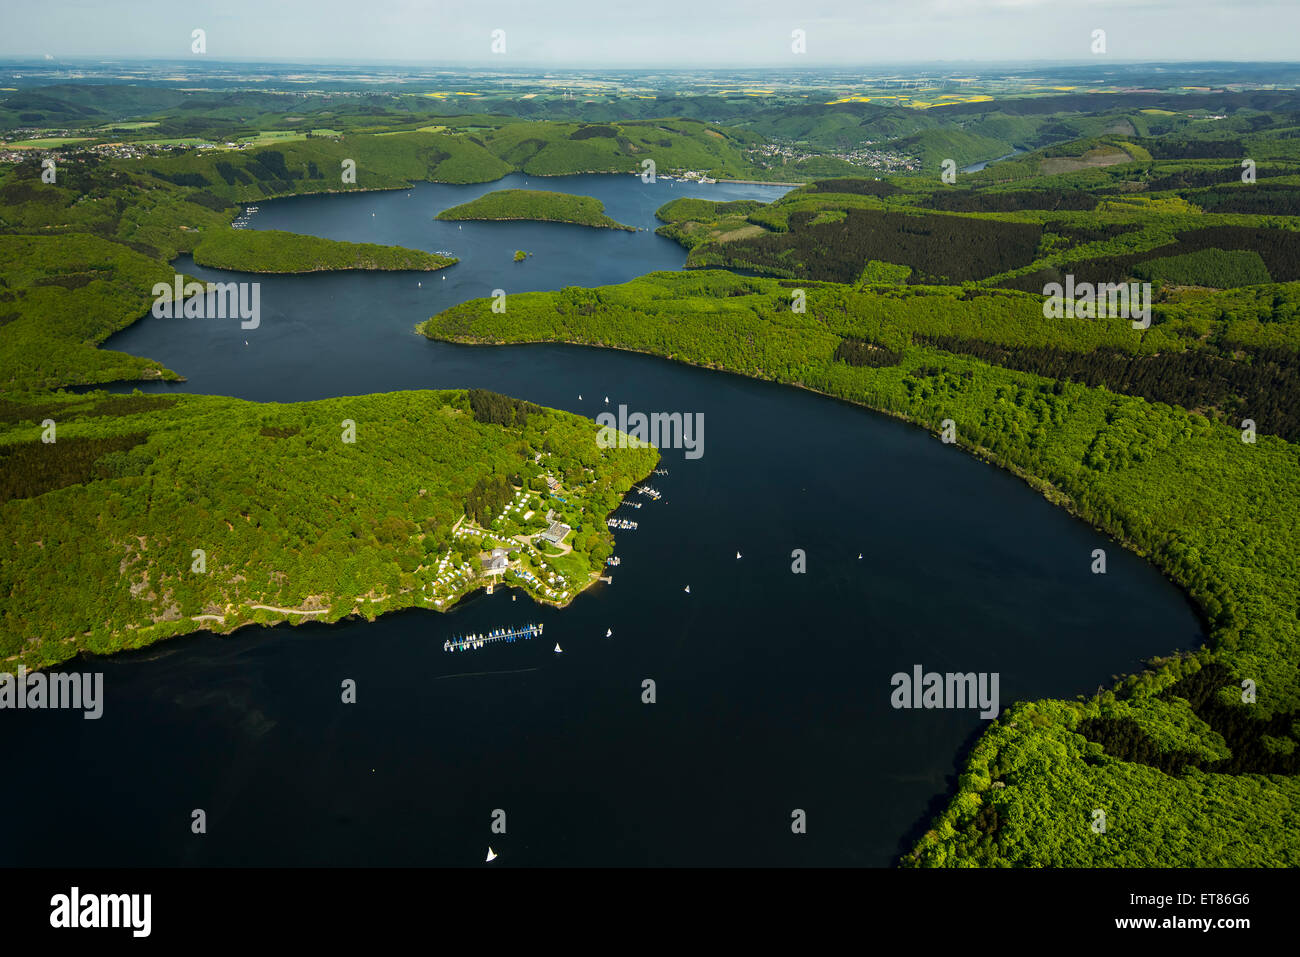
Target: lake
[[773, 688]]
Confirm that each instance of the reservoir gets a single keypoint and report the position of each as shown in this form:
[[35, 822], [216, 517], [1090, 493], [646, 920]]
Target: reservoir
[[772, 688]]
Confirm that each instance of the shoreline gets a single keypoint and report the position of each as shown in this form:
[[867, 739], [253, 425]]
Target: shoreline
[[759, 182], [533, 219], [1054, 495]]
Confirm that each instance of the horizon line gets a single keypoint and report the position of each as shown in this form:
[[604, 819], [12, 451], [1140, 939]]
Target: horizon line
[[39, 59]]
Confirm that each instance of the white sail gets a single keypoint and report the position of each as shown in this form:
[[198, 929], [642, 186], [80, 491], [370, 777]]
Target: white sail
[[608, 632], [737, 554], [492, 855], [558, 649], [688, 589]]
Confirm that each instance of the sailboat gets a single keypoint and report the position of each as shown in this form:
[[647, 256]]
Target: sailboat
[[607, 400], [737, 555], [688, 589], [558, 649], [859, 556], [492, 855], [609, 632], [579, 397], [419, 284]]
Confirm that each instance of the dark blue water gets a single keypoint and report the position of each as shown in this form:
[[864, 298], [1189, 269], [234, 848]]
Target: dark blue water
[[773, 687], [976, 167]]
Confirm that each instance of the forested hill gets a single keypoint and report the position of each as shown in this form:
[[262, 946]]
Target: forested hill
[[393, 160], [155, 516], [535, 204]]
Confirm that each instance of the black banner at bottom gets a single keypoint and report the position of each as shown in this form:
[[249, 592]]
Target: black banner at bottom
[[330, 906]]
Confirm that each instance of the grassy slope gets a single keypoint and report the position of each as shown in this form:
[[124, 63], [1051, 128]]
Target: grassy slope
[[551, 149]]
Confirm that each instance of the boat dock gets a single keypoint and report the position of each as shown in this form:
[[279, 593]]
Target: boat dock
[[647, 490], [471, 642], [621, 523]]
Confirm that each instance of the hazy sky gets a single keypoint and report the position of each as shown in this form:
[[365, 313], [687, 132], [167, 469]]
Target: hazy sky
[[577, 33]]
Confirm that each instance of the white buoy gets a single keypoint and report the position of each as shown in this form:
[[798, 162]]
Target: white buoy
[[419, 284], [492, 855]]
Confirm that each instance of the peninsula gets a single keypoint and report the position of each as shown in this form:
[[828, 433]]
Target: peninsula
[[380, 502]]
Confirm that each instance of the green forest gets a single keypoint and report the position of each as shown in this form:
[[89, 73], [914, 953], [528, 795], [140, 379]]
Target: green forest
[[535, 204], [275, 251]]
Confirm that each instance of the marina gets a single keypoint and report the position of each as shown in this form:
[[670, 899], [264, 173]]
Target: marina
[[508, 635], [242, 220]]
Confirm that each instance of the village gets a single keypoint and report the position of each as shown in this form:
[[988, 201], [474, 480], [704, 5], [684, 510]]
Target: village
[[521, 547], [526, 548]]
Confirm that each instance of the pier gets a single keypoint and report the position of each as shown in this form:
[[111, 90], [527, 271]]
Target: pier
[[471, 642]]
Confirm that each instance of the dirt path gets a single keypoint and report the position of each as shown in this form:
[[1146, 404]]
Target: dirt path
[[291, 611]]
